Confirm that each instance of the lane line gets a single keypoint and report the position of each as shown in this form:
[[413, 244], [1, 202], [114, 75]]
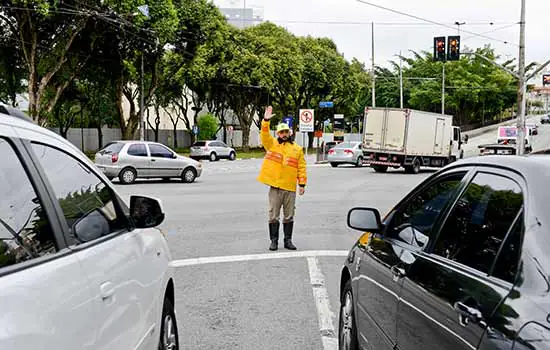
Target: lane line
[[324, 313], [255, 257]]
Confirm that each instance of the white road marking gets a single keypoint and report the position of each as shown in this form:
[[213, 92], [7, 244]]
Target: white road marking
[[320, 294], [255, 257]]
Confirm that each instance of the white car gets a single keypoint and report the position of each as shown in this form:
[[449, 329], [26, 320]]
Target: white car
[[78, 268]]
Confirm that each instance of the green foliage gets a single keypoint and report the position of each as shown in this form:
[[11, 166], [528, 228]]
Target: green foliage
[[208, 125]]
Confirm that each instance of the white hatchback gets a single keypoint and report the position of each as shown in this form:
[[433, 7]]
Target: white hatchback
[[78, 268]]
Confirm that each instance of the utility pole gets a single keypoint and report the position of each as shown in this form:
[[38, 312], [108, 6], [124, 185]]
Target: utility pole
[[373, 72], [141, 104], [443, 90], [522, 84], [401, 79]]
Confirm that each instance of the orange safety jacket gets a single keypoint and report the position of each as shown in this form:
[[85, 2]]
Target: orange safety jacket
[[284, 164]]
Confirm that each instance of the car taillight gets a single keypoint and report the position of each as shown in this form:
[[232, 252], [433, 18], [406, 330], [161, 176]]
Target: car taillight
[[114, 158], [331, 151], [348, 151]]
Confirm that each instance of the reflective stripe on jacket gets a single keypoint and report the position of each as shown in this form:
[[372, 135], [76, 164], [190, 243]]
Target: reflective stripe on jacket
[[284, 163]]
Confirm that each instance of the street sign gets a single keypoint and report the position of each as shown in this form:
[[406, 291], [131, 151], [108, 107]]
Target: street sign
[[326, 104], [307, 120], [195, 129], [288, 121]]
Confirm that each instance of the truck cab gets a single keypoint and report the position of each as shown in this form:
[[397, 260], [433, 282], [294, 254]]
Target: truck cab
[[456, 143]]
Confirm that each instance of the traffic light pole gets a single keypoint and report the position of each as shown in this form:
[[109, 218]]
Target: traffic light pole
[[443, 91], [522, 84]]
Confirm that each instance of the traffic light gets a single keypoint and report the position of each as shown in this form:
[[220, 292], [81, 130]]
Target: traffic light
[[453, 47], [439, 48], [546, 80]]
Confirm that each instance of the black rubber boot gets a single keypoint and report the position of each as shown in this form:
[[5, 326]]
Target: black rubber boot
[[274, 235], [287, 229]]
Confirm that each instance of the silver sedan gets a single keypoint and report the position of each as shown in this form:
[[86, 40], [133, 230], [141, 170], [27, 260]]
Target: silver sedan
[[346, 153], [129, 160]]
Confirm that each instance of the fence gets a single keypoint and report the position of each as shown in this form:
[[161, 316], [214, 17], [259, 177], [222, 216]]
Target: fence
[[88, 139]]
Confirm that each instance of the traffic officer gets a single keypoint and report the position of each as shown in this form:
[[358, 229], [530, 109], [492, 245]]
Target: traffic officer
[[284, 166]]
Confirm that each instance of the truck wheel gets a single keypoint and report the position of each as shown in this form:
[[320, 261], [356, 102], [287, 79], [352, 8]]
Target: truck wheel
[[415, 169], [380, 168], [334, 165]]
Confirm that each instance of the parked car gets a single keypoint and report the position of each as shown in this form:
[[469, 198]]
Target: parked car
[[79, 269], [533, 128], [346, 153], [130, 160], [212, 150], [545, 119], [462, 262]]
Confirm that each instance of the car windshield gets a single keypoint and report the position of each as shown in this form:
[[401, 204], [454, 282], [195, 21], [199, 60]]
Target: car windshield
[[112, 148], [346, 145]]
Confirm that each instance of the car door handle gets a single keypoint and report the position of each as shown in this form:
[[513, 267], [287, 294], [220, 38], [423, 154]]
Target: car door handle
[[397, 272], [467, 314], [107, 290], [153, 160]]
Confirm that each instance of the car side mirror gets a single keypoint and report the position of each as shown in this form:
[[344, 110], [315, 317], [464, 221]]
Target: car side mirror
[[174, 156], [146, 212], [365, 219], [91, 226]]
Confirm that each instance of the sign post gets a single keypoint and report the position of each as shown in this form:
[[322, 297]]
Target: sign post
[[339, 128], [307, 123]]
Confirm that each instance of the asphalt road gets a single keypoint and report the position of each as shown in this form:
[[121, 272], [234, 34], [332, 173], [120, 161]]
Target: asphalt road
[[246, 301]]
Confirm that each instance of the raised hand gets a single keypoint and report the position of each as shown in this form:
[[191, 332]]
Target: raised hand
[[268, 113]]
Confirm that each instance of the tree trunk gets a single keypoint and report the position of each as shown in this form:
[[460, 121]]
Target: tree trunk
[[245, 127], [175, 130], [100, 137]]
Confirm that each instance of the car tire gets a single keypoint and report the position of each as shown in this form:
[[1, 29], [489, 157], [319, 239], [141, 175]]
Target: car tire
[[169, 339], [380, 168], [334, 165], [127, 176], [232, 156], [213, 157], [359, 162], [188, 175], [347, 330]]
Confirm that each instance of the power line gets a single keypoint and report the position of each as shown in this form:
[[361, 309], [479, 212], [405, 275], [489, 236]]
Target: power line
[[432, 22]]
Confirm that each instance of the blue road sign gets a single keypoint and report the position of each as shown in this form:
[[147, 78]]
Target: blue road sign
[[326, 104], [195, 129], [288, 121]]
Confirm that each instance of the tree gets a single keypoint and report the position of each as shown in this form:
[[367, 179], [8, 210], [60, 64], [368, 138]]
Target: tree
[[208, 125]]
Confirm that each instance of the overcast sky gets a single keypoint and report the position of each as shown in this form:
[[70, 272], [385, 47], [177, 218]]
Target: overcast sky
[[347, 22]]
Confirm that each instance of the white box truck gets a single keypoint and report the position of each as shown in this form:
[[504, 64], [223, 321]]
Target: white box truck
[[410, 139]]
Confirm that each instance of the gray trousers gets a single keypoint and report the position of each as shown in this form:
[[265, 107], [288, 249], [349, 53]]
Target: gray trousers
[[280, 198]]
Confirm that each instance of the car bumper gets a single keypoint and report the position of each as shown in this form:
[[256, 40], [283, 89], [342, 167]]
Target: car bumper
[[341, 158], [110, 171]]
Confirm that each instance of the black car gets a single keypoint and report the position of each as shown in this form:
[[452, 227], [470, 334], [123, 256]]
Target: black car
[[462, 262], [545, 119]]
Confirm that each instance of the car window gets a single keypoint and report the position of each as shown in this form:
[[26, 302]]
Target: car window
[[199, 144], [82, 196], [345, 145], [25, 231], [507, 262], [414, 221], [479, 221], [138, 150], [159, 151], [112, 148]]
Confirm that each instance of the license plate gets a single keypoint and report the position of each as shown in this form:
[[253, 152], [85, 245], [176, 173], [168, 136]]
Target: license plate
[[383, 158]]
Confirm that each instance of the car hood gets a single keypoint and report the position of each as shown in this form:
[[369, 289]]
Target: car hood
[[189, 160]]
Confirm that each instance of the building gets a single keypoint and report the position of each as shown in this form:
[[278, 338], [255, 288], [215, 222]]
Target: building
[[239, 14]]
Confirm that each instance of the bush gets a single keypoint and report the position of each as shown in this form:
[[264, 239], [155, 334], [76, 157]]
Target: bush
[[208, 125]]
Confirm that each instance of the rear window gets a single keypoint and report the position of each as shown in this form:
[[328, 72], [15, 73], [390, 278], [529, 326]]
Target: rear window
[[111, 148], [346, 145], [199, 144]]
